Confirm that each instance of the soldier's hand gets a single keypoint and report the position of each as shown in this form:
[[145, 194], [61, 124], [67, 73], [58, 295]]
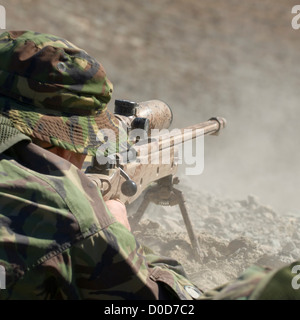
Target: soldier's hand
[[118, 210]]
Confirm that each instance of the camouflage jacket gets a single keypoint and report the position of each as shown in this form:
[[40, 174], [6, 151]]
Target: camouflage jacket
[[260, 283], [59, 241]]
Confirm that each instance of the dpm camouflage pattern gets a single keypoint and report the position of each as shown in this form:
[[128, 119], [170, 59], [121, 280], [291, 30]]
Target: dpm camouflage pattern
[[260, 283], [54, 91], [59, 241]]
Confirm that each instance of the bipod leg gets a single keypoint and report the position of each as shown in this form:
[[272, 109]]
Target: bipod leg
[[134, 221], [188, 224]]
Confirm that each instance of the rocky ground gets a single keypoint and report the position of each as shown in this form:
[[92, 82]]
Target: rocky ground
[[232, 235]]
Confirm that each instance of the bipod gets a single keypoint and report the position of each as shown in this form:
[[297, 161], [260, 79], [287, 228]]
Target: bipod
[[163, 193]]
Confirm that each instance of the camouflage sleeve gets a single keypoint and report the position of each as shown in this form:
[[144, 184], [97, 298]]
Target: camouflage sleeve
[[111, 265], [101, 268], [170, 274], [123, 269], [59, 241], [260, 283]]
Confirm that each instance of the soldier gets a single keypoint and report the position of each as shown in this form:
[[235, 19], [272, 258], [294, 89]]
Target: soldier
[[58, 239]]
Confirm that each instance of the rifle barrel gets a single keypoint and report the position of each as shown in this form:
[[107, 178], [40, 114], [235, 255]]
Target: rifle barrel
[[178, 136]]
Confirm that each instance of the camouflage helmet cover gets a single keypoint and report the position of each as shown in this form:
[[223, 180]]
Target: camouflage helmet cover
[[56, 92]]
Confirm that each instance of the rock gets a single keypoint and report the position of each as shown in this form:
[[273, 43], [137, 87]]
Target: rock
[[214, 221], [289, 246], [239, 243]]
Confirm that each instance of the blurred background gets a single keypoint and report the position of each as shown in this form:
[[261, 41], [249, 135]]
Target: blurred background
[[229, 58]]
